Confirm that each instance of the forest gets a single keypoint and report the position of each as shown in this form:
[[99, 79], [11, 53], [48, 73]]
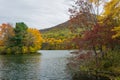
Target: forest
[[19, 39]]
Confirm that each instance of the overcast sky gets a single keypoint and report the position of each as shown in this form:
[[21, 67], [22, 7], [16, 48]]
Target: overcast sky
[[35, 13]]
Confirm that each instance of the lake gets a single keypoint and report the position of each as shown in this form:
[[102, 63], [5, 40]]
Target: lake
[[50, 65]]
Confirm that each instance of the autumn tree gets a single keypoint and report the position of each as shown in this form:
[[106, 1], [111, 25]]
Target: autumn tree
[[103, 33], [94, 23], [96, 26], [6, 32], [85, 14], [112, 16], [20, 39], [33, 40]]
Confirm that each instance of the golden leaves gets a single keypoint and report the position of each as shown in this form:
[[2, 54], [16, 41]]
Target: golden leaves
[[117, 30], [36, 37]]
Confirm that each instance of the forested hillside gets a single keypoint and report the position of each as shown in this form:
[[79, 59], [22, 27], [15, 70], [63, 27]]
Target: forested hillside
[[59, 37]]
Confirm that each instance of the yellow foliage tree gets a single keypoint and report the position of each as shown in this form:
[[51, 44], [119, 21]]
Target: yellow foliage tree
[[117, 30], [32, 40], [112, 12], [112, 8]]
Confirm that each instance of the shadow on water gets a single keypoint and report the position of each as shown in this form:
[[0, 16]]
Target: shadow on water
[[14, 67]]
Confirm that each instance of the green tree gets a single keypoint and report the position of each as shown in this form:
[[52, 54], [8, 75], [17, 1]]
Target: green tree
[[17, 41]]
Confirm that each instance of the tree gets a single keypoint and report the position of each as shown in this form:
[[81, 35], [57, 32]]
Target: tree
[[15, 42], [85, 14], [112, 16], [117, 30], [20, 31], [96, 27], [33, 40], [101, 36], [19, 40], [6, 32]]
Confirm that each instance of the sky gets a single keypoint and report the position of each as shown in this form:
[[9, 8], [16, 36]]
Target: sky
[[38, 14]]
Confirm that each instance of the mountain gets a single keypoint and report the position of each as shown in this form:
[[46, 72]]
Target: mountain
[[61, 31], [57, 37], [61, 26]]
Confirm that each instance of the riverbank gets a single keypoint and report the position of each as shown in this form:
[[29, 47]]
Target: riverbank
[[107, 66]]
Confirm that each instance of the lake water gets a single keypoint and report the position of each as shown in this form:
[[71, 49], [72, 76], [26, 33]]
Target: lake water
[[50, 65]]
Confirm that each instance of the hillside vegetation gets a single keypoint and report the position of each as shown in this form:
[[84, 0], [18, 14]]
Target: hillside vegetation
[[58, 37]]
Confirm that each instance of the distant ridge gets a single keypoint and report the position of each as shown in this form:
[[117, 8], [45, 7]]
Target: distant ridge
[[57, 27], [89, 18]]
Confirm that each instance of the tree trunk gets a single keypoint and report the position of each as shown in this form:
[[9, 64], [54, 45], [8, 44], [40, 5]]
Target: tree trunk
[[96, 55], [101, 51]]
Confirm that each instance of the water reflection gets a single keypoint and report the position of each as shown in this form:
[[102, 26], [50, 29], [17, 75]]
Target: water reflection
[[51, 65], [19, 67]]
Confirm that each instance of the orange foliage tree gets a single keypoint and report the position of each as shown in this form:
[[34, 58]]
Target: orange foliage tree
[[19, 40], [6, 32]]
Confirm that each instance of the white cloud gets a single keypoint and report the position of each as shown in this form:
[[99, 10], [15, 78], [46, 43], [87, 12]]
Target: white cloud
[[35, 13]]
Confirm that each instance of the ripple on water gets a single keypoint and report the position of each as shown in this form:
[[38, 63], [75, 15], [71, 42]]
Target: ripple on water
[[50, 65]]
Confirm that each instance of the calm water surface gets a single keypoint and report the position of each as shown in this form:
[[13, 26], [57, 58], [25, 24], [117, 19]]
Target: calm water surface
[[51, 65]]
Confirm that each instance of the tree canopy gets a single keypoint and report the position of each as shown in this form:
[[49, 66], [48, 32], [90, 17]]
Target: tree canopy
[[20, 39]]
